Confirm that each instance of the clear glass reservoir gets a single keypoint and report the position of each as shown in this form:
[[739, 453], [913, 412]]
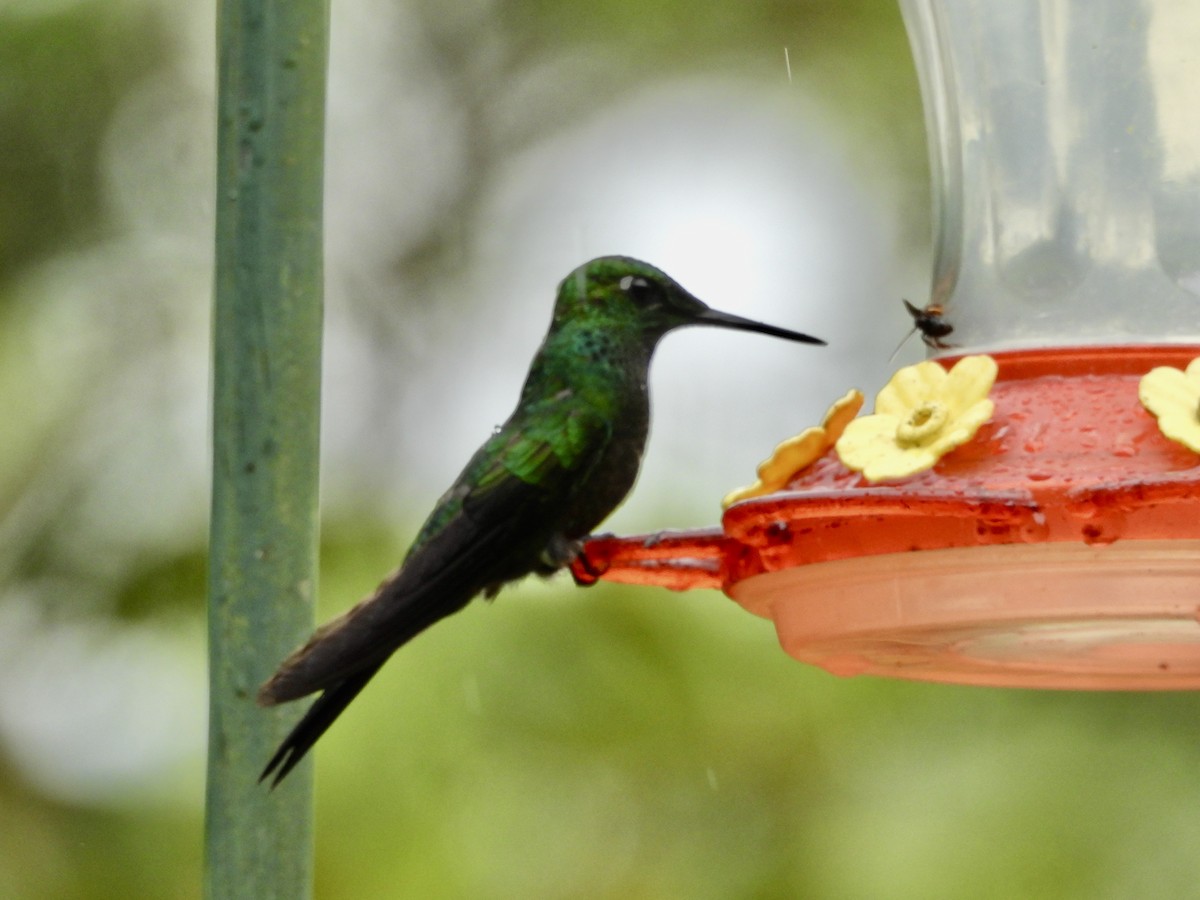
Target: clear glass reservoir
[[1064, 138]]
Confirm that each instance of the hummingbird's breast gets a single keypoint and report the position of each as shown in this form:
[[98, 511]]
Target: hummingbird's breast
[[602, 366], [613, 476]]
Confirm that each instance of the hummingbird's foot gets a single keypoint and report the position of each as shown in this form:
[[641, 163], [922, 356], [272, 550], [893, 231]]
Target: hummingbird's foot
[[584, 572], [584, 569], [560, 552]]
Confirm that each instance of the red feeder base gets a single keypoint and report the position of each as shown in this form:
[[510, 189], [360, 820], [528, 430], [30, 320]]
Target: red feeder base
[[1059, 549]]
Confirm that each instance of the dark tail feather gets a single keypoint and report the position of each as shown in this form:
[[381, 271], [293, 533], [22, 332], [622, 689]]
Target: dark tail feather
[[319, 717]]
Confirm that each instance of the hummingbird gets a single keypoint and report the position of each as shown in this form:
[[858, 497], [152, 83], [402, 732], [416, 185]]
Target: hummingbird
[[566, 458]]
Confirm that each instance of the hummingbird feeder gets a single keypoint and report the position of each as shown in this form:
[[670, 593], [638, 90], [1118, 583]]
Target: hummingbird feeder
[[1024, 509]]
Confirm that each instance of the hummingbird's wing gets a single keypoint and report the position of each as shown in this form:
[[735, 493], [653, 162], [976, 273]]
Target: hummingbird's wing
[[490, 527]]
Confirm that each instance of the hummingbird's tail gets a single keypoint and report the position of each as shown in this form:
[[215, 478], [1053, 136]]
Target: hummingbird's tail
[[315, 722], [362, 638], [479, 538], [343, 655]]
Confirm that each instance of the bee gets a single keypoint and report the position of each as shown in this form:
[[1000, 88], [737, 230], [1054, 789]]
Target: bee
[[930, 322]]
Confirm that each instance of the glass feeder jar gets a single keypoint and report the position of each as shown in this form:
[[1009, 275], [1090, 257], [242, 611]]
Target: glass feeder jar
[[1065, 150], [1060, 547]]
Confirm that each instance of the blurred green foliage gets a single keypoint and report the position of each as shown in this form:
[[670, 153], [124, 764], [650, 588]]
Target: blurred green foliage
[[558, 743], [62, 73]]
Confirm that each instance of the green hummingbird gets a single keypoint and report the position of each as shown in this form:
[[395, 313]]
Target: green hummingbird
[[563, 461]]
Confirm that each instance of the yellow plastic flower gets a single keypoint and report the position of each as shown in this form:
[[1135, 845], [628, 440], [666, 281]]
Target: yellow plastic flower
[[798, 453], [1174, 398], [922, 414]]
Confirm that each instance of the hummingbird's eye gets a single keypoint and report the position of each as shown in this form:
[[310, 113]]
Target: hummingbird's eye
[[643, 291]]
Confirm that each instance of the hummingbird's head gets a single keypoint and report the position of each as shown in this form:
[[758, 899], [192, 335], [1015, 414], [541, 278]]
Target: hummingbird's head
[[628, 292]]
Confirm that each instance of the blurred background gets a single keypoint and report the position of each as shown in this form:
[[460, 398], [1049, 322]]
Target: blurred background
[[611, 742]]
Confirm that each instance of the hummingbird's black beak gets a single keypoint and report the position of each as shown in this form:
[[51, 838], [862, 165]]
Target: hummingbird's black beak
[[737, 323]]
